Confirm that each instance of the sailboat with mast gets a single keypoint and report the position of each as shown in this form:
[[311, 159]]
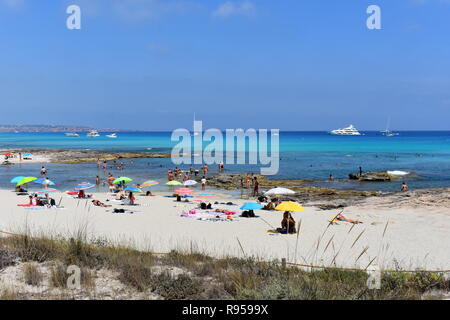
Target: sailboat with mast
[[387, 132]]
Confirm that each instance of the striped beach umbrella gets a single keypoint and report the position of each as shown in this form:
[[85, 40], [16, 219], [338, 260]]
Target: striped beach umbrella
[[27, 154], [45, 191], [148, 183], [44, 181], [84, 186], [132, 189], [25, 180], [16, 179], [184, 191]]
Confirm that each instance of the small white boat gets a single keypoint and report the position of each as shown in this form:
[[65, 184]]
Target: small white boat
[[93, 134], [112, 135], [72, 134], [348, 131], [387, 132]]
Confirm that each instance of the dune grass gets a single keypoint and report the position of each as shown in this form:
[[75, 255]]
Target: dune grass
[[199, 276]]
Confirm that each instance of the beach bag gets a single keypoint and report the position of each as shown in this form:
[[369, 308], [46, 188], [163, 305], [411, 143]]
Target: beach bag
[[52, 202], [203, 206]]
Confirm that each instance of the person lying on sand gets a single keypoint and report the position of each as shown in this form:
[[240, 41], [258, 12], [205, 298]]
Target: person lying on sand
[[98, 203], [149, 194], [340, 217], [223, 211]]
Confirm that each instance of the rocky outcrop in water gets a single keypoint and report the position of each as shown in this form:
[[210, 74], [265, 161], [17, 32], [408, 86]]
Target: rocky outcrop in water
[[377, 176]]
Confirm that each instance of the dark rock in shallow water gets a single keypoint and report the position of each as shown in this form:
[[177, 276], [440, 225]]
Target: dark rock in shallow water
[[379, 176]]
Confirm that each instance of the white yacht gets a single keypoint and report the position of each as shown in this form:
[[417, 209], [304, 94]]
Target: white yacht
[[93, 133], [112, 135], [72, 134], [348, 131]]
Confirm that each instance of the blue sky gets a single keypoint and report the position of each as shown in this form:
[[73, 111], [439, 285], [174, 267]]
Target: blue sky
[[288, 64]]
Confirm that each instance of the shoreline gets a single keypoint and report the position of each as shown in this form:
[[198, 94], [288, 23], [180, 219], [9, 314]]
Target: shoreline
[[53, 155]]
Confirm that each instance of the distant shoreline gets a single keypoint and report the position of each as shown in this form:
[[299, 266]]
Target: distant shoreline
[[72, 156]]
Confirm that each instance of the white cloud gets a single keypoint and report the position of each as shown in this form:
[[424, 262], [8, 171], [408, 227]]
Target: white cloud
[[228, 9]]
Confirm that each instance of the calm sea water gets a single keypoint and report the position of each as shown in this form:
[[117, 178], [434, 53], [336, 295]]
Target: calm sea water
[[304, 155]]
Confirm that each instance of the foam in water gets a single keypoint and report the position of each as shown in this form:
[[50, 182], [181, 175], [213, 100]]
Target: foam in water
[[398, 173]]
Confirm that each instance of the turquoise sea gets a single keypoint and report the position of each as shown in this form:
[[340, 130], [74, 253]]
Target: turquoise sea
[[304, 155]]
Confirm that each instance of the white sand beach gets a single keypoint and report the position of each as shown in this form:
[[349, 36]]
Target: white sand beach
[[416, 237]]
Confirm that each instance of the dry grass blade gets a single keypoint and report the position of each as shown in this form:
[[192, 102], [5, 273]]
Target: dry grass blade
[[240, 245], [296, 241], [357, 238], [370, 263], [385, 228], [351, 228], [360, 255], [328, 244]]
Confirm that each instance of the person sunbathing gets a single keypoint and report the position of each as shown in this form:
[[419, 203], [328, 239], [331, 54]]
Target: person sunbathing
[[269, 206], [98, 203], [83, 195], [287, 224], [120, 195], [340, 217]]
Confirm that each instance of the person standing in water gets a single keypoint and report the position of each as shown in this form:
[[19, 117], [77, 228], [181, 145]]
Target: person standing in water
[[203, 181], [404, 187], [255, 186]]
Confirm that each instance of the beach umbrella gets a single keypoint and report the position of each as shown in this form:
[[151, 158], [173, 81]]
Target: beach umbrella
[[279, 192], [132, 189], [289, 206], [27, 154], [84, 186], [122, 179], [251, 206], [9, 154], [44, 181], [45, 191], [149, 183], [16, 179], [184, 191], [189, 183], [174, 183], [206, 195], [25, 180]]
